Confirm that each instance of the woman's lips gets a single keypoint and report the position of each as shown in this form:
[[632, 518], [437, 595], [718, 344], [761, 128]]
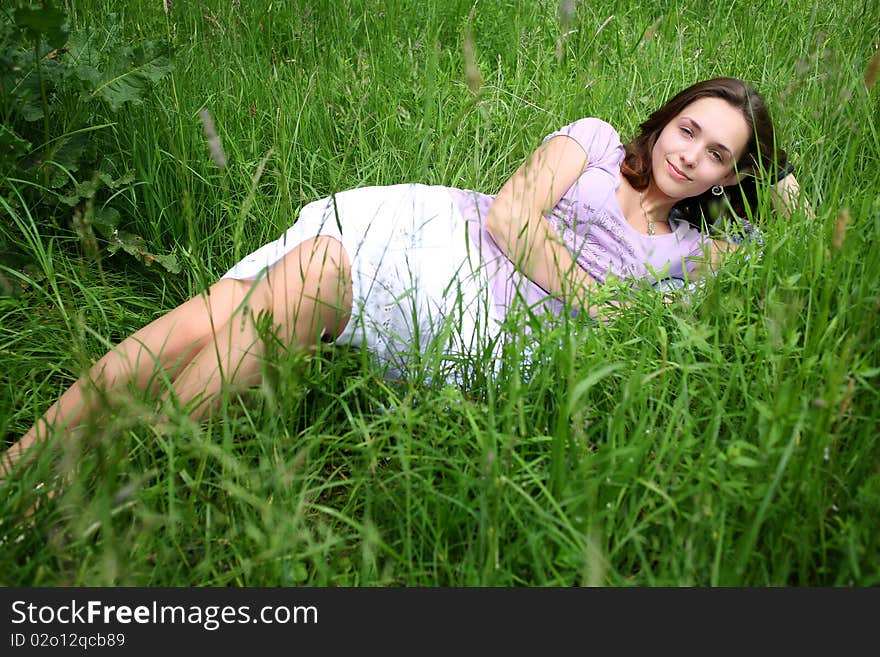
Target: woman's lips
[[675, 172]]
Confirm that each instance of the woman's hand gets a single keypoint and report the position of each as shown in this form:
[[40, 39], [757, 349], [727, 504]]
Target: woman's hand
[[714, 252], [787, 197]]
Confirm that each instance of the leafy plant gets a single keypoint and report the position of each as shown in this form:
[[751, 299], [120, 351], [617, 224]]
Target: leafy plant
[[60, 96]]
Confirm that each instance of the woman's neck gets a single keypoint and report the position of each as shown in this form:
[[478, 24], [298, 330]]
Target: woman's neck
[[638, 207]]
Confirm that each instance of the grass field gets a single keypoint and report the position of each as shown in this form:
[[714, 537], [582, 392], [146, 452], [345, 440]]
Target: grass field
[[730, 439]]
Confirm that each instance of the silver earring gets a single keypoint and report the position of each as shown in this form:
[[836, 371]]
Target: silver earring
[[717, 190]]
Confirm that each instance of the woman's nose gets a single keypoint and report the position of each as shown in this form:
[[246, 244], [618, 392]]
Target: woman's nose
[[689, 157]]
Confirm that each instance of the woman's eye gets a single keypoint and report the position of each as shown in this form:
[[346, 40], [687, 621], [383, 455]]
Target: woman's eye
[[687, 131], [716, 155]]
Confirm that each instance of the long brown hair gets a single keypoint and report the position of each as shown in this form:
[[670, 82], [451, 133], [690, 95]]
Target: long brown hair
[[760, 161]]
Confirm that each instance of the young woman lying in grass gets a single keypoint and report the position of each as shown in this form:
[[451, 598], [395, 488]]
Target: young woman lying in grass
[[391, 269]]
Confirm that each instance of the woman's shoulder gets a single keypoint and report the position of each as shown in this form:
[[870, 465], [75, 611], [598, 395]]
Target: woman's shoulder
[[591, 126], [596, 136]]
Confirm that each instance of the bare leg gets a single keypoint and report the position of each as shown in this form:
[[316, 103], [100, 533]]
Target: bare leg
[[309, 296], [168, 342], [211, 339]]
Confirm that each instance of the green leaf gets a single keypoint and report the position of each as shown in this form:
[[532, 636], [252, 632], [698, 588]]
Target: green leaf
[[105, 220], [88, 74], [46, 22], [116, 183], [11, 145], [87, 188], [69, 154], [136, 246], [153, 60], [31, 112], [126, 88], [129, 86]]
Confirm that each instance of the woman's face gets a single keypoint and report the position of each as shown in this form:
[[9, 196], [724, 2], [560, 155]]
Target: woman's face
[[699, 147]]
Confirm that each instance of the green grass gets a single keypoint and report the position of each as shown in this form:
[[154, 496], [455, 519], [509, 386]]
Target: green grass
[[729, 439]]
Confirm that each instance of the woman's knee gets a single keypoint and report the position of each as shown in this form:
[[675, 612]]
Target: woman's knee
[[311, 289]]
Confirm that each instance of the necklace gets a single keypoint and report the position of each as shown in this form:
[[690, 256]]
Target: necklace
[[651, 229]]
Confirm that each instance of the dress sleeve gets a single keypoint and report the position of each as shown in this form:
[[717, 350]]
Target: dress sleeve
[[598, 139]]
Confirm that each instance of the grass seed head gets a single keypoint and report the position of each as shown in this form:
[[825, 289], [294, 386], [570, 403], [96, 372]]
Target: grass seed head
[[215, 146], [652, 30], [840, 229], [872, 70], [472, 74]]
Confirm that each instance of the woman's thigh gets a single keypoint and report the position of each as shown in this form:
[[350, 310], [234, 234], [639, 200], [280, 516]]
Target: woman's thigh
[[174, 338]]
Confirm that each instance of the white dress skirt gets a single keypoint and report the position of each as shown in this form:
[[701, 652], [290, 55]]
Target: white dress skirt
[[418, 283]]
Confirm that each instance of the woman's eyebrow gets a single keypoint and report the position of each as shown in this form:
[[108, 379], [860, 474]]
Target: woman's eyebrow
[[700, 128]]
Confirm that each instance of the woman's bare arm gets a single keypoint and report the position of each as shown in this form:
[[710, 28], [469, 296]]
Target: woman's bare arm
[[516, 221]]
